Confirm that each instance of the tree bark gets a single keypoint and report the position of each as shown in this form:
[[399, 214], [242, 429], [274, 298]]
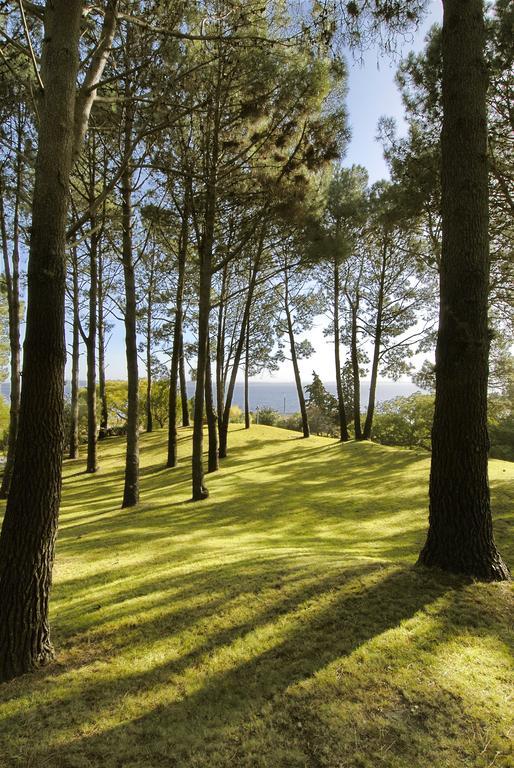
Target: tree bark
[[343, 426], [75, 361], [460, 535], [27, 540], [376, 349], [12, 279], [199, 488], [102, 392], [212, 420], [149, 312], [294, 359], [354, 353], [247, 368], [131, 488], [225, 420], [186, 421], [90, 341], [177, 351]]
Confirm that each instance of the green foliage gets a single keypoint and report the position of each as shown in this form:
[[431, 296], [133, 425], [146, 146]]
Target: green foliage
[[322, 408], [405, 421], [236, 415], [267, 416]]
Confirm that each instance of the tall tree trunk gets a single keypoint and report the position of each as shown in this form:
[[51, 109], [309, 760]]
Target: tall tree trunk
[[247, 368], [460, 535], [149, 314], [343, 426], [75, 361], [225, 420], [220, 346], [29, 529], [12, 279], [199, 488], [131, 488], [376, 349], [102, 392], [178, 342], [294, 359], [90, 340], [212, 425], [354, 353], [186, 421]]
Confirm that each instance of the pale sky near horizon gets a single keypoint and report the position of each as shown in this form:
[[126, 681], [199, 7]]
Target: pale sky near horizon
[[372, 93]]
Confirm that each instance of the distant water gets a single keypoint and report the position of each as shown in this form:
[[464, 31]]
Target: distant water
[[282, 396]]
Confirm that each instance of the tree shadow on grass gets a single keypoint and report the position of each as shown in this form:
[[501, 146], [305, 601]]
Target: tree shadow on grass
[[301, 633]]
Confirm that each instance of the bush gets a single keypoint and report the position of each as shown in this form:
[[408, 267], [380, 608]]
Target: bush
[[405, 421], [292, 421], [268, 417], [236, 415]]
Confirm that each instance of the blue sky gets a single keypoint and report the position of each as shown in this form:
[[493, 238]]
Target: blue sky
[[372, 93]]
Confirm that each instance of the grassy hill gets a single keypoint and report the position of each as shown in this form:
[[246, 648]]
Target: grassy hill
[[278, 624]]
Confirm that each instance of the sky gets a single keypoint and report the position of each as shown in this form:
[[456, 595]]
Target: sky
[[372, 93]]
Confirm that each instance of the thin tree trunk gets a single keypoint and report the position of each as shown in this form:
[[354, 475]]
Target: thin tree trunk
[[12, 279], [460, 535], [102, 392], [354, 353], [29, 528], [131, 488], [212, 425], [343, 426], [186, 420], [90, 340], [149, 419], [225, 420], [199, 488], [220, 345], [294, 359], [178, 343], [247, 368], [75, 361], [376, 350]]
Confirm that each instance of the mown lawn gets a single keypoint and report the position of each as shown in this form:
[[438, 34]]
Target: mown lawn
[[278, 624]]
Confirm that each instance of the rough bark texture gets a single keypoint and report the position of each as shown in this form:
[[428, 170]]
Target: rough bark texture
[[343, 426], [460, 537], [131, 488], [75, 359], [30, 524]]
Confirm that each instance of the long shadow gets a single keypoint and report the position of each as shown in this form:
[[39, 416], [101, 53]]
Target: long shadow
[[315, 638]]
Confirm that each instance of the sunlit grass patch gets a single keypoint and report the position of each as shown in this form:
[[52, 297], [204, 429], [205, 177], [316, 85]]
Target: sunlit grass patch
[[279, 623]]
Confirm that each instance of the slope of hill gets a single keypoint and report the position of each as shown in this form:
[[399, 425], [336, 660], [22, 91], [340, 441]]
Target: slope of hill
[[279, 624]]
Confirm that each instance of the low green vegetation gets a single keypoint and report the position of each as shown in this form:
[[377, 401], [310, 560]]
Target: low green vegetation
[[278, 624]]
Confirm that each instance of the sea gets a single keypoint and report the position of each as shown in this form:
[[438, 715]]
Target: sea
[[282, 396]]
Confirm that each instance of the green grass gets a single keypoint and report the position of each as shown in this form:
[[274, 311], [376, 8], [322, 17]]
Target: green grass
[[278, 624]]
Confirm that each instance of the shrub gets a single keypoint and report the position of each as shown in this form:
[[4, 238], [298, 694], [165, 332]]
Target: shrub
[[267, 416]]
